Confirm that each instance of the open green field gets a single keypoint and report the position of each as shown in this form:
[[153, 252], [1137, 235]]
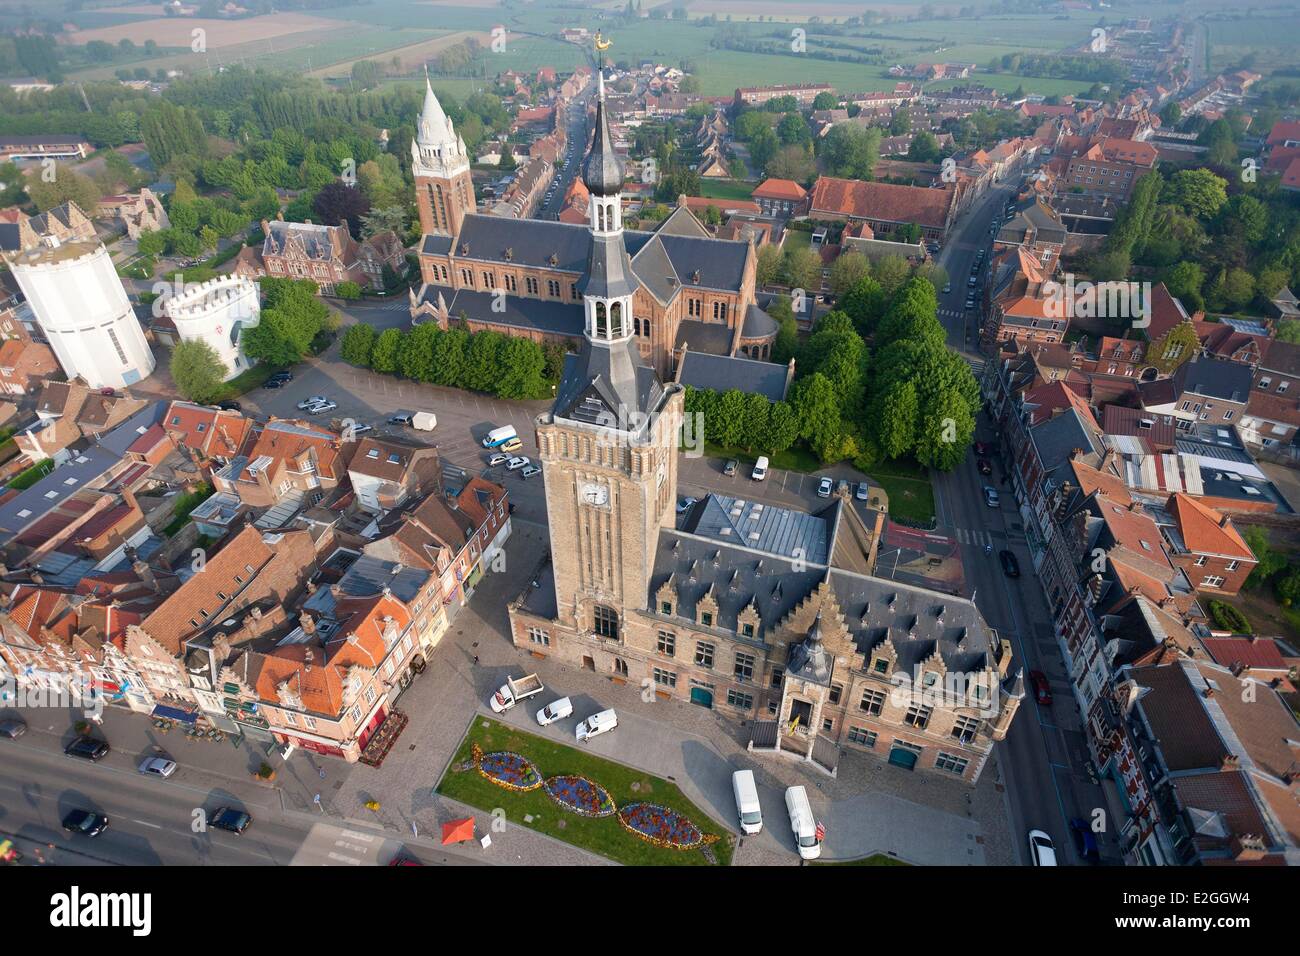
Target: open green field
[[1009, 82], [911, 496], [603, 835], [722, 71], [1263, 40], [725, 189]]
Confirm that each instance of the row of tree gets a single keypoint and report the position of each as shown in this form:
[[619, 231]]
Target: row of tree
[[501, 365]]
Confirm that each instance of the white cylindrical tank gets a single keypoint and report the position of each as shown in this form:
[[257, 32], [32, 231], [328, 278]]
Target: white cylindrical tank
[[83, 311], [218, 312]]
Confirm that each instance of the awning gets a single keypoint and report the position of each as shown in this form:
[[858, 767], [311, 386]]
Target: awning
[[458, 831], [174, 713]]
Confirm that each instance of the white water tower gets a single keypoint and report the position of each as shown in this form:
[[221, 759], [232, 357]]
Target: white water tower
[[83, 311]]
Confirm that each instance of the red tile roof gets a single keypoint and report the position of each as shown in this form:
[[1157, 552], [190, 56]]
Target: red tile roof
[[780, 189], [1251, 651], [1206, 531], [883, 201]]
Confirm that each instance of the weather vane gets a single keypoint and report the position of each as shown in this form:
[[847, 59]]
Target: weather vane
[[601, 46]]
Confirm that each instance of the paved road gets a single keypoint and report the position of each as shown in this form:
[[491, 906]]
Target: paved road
[[1042, 758], [152, 822], [579, 136]]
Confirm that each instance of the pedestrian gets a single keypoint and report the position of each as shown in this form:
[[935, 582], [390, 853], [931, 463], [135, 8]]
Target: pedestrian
[[476, 660]]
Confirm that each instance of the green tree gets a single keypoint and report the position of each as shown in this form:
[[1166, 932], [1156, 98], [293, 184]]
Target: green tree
[[865, 304], [730, 414], [522, 364], [385, 355], [846, 271], [66, 185], [197, 371], [358, 342], [787, 334], [895, 416], [802, 268], [767, 269], [482, 363], [1199, 192], [753, 427], [817, 408], [782, 428], [891, 272]]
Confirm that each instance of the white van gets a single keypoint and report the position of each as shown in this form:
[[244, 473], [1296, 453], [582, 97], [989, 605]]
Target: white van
[[802, 823], [555, 710], [499, 436], [747, 808], [595, 725], [760, 469]]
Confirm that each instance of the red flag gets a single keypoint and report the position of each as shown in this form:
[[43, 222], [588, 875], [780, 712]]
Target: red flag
[[821, 832]]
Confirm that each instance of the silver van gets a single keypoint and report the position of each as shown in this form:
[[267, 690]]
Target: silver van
[[802, 823]]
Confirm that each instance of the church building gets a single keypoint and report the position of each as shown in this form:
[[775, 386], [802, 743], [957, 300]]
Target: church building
[[768, 615], [687, 290]]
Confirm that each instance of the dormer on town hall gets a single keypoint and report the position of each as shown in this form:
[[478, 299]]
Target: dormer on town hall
[[688, 291]]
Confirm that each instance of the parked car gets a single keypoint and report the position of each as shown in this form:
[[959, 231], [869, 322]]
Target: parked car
[[1042, 690], [274, 383], [514, 464], [1041, 849], [307, 403], [685, 505], [13, 729], [1085, 841], [760, 469], [595, 725], [157, 766], [401, 418], [972, 280], [85, 822], [360, 428], [863, 492], [825, 487], [731, 467], [983, 465], [530, 471], [947, 287], [555, 710], [87, 748], [230, 406], [991, 497], [280, 376], [981, 449], [230, 820], [1010, 566], [320, 407], [496, 460]]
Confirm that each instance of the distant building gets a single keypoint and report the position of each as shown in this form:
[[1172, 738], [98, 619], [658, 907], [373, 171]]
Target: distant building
[[804, 93], [883, 206]]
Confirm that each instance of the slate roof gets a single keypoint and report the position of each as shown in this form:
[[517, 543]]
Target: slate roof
[[1214, 378], [874, 610], [758, 324], [603, 384], [1056, 440], [723, 372], [712, 338], [560, 318]]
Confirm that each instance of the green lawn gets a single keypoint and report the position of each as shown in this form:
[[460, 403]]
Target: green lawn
[[725, 189], [603, 835], [911, 496]]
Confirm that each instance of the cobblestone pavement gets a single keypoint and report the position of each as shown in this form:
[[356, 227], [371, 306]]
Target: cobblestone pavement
[[871, 807]]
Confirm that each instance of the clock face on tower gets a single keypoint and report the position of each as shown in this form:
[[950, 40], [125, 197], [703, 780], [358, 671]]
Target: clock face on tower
[[594, 494]]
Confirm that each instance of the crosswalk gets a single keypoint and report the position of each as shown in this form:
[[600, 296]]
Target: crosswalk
[[952, 313], [980, 538]]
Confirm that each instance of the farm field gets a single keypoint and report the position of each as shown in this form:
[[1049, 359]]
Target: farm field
[[179, 31], [724, 70], [412, 56], [1008, 82], [1270, 41]]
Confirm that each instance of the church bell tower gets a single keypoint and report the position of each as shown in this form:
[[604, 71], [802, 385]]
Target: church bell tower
[[444, 191], [608, 446]]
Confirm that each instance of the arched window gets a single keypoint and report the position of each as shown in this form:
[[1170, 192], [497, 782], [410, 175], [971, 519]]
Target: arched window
[[600, 217], [600, 319], [604, 622], [620, 667], [616, 320]]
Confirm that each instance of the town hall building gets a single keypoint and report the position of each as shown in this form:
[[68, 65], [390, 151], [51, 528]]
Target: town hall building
[[686, 289], [766, 614]]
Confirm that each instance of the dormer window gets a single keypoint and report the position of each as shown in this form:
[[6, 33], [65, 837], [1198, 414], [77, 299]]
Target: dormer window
[[666, 608]]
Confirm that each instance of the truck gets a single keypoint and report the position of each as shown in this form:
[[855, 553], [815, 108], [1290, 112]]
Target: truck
[[513, 691], [424, 421]]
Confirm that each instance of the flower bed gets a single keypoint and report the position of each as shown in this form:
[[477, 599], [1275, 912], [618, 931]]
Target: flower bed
[[580, 795], [662, 827], [506, 769]]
